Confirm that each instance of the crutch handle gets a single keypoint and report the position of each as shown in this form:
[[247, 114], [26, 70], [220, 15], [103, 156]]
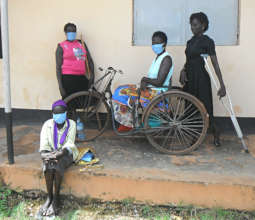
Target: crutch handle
[[204, 55]]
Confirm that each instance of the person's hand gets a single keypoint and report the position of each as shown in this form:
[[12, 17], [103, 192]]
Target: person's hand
[[143, 84], [183, 77], [222, 91], [48, 156], [59, 154]]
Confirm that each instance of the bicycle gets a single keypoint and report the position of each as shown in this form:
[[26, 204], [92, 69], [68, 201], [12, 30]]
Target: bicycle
[[174, 122]]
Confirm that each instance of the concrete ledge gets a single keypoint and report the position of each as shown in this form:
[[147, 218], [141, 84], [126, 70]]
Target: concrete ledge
[[210, 177], [143, 185]]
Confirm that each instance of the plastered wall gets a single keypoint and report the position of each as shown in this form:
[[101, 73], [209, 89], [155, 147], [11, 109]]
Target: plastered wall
[[37, 26]]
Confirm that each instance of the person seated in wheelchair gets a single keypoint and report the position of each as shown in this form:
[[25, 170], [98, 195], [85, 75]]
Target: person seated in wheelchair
[[58, 152], [157, 81], [74, 65]]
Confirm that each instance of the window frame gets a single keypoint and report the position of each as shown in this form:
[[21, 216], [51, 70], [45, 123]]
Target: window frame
[[184, 44]]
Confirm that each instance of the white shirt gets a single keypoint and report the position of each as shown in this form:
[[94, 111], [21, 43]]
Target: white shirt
[[47, 139]]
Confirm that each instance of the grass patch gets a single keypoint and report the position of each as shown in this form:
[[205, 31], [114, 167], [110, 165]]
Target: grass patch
[[4, 207], [18, 212], [19, 206], [221, 214]]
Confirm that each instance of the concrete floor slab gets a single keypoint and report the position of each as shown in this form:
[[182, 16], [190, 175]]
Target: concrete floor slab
[[210, 177]]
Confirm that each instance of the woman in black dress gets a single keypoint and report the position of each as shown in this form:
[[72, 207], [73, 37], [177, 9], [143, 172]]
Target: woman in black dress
[[194, 76]]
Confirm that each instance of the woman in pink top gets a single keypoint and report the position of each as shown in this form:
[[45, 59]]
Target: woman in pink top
[[70, 64]]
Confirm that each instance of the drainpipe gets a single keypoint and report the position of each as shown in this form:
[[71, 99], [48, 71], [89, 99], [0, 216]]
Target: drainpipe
[[6, 79]]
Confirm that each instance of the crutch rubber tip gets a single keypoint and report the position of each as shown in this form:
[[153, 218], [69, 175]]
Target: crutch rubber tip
[[247, 151]]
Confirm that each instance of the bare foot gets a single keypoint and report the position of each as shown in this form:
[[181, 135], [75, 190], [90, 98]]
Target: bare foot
[[53, 209], [43, 209]]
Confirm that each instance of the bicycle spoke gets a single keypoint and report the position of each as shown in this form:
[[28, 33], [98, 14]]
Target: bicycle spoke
[[177, 110], [182, 123], [177, 136], [193, 122], [196, 111], [187, 136], [192, 119], [166, 138], [171, 106], [185, 110], [99, 121], [159, 116], [164, 105], [183, 137], [192, 132], [157, 133], [192, 126]]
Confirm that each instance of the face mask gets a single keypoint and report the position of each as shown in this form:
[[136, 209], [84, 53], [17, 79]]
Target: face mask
[[59, 118], [158, 48], [71, 36]]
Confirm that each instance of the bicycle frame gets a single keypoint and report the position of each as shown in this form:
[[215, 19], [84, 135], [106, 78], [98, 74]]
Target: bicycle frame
[[100, 97], [107, 90]]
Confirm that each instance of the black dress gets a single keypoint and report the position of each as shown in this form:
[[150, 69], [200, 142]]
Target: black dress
[[199, 83]]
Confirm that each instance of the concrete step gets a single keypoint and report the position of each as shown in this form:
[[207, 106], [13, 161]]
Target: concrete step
[[210, 177]]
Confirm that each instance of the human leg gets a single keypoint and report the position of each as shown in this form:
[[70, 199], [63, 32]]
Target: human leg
[[63, 163], [205, 96], [49, 179], [215, 131], [54, 206]]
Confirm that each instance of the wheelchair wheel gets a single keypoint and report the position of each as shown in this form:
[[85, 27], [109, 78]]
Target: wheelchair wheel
[[175, 122], [92, 110]]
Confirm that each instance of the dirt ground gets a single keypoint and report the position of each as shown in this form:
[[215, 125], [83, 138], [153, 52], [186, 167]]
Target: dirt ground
[[130, 152]]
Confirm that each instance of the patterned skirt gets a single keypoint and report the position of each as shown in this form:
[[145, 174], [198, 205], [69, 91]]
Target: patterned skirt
[[123, 100]]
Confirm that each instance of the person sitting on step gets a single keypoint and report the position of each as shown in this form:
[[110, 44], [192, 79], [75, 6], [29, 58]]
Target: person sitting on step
[[58, 152]]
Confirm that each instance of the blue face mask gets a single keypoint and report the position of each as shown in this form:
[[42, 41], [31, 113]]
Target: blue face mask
[[71, 36], [158, 48], [59, 118]]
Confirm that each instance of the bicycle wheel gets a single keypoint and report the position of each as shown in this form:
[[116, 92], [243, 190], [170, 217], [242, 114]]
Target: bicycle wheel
[[175, 122], [92, 110]]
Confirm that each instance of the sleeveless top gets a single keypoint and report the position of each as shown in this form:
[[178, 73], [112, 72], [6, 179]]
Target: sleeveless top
[[74, 56], [154, 69]]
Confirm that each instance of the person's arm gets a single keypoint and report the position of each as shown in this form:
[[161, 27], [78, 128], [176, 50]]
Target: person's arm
[[69, 145], [183, 75], [164, 69], [222, 90], [212, 53], [59, 62], [45, 147]]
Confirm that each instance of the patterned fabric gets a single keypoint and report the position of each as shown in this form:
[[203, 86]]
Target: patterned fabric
[[124, 98]]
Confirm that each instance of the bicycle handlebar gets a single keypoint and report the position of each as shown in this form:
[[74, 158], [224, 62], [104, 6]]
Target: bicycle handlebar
[[111, 69]]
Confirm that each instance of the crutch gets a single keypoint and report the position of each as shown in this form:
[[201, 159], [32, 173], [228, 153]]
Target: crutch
[[227, 104]]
